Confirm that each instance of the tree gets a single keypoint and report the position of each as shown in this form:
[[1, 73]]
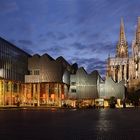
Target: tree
[[134, 98], [112, 102]]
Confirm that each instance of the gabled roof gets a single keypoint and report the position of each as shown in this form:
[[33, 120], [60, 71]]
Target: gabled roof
[[62, 60], [36, 55], [95, 72], [81, 70], [48, 56]]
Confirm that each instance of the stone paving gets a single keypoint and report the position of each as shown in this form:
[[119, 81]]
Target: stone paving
[[61, 124]]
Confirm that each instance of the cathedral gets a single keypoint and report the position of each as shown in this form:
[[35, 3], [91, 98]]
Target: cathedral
[[124, 66]]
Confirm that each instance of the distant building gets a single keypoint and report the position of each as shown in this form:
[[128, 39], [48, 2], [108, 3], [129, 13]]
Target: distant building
[[123, 67]]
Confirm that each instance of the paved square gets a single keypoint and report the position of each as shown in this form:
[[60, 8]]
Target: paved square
[[55, 124]]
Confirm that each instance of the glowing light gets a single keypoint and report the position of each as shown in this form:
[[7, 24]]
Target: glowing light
[[1, 72], [62, 96], [52, 96]]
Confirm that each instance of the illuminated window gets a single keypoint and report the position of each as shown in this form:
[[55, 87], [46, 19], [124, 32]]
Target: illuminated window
[[62, 96], [52, 96]]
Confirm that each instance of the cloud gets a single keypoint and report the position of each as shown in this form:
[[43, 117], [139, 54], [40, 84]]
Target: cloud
[[61, 36], [26, 42], [101, 67], [27, 49], [52, 36], [56, 35], [8, 7], [53, 50], [91, 64], [97, 48], [78, 46]]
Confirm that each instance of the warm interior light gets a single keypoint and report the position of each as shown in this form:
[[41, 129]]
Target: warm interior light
[[52, 96], [62, 96], [1, 72]]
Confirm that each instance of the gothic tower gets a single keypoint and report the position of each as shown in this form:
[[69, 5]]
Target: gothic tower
[[122, 47], [136, 50], [117, 67], [125, 68]]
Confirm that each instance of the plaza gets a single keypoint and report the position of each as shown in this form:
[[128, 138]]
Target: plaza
[[63, 124]]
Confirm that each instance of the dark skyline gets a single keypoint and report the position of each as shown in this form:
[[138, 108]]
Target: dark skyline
[[82, 31]]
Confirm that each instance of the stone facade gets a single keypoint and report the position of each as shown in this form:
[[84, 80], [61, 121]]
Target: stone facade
[[123, 67]]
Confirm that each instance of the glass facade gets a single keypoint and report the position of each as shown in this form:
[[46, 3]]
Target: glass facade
[[13, 62]]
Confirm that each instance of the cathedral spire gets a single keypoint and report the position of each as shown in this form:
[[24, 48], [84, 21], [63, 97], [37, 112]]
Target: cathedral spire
[[122, 38], [122, 48], [138, 31]]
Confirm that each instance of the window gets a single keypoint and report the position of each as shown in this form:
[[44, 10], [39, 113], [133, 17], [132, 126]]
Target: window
[[7, 86], [73, 83], [73, 90], [30, 72], [15, 87], [36, 72]]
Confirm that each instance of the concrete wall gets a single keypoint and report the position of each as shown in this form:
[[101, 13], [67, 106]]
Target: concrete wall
[[49, 69], [46, 69], [110, 88], [91, 86], [83, 85]]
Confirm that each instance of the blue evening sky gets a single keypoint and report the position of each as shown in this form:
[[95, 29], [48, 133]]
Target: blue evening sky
[[82, 31]]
